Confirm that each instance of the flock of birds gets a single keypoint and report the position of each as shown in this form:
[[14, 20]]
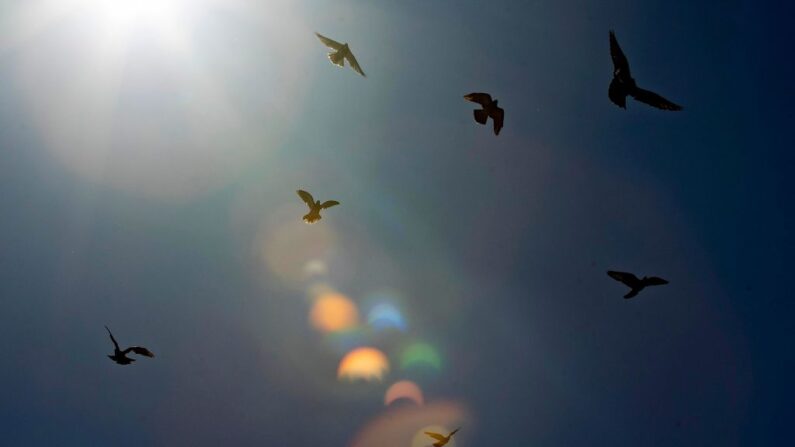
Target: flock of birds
[[621, 86]]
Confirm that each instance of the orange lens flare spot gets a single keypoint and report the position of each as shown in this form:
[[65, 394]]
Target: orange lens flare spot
[[333, 312], [363, 363], [405, 389]]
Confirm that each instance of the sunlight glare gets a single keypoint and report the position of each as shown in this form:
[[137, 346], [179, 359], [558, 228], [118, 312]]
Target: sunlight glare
[[123, 14]]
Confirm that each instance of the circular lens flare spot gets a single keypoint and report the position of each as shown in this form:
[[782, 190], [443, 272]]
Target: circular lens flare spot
[[334, 312], [405, 389], [420, 354], [384, 316], [363, 363]]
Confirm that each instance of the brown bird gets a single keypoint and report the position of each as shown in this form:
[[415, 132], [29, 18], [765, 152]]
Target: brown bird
[[120, 356], [314, 207], [634, 283], [340, 54], [441, 439], [623, 84], [490, 109]]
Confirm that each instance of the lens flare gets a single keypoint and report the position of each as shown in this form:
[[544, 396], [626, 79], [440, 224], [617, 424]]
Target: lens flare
[[420, 354], [286, 245], [384, 316], [399, 426], [334, 312], [363, 363], [405, 389], [315, 268]]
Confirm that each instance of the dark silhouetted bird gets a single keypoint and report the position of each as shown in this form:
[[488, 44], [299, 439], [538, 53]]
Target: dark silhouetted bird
[[441, 439], [314, 207], [623, 84], [340, 53], [120, 356], [490, 109], [634, 283]]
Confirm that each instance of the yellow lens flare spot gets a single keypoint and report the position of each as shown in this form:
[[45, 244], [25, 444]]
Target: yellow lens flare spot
[[334, 312], [364, 363], [404, 389]]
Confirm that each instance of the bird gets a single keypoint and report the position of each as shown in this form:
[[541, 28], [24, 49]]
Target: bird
[[623, 84], [314, 207], [634, 283], [120, 356], [341, 52], [441, 439], [490, 109]]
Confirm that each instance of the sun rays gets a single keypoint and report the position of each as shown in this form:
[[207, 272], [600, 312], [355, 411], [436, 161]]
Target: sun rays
[[124, 94]]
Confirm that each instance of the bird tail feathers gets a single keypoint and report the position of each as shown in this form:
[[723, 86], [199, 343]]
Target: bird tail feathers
[[337, 59]]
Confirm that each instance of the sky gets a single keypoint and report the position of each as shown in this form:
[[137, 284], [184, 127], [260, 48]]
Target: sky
[[149, 158]]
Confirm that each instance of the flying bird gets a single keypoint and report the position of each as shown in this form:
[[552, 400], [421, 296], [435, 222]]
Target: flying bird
[[634, 283], [120, 356], [340, 54], [623, 84], [314, 207], [441, 439], [490, 109]]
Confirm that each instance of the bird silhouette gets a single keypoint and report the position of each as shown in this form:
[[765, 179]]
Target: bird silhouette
[[120, 356], [623, 84], [441, 439], [314, 207], [490, 109], [634, 283], [341, 52]]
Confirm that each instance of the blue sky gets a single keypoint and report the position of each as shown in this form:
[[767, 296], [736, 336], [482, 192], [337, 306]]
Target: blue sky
[[148, 177]]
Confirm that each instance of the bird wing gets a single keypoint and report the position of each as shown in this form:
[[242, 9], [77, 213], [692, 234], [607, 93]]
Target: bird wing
[[481, 98], [140, 350], [453, 432], [329, 204], [620, 63], [436, 436], [354, 63], [115, 344], [306, 197], [654, 100], [627, 278], [333, 44], [498, 117], [655, 281]]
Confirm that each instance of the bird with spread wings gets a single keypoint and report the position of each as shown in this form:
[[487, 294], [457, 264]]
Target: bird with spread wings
[[634, 283], [490, 110], [120, 356], [314, 206], [441, 439], [341, 53], [623, 84]]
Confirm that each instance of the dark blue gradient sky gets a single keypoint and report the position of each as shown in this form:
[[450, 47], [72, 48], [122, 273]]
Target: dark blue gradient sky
[[147, 182]]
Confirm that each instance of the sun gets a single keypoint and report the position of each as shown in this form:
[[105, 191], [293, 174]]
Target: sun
[[121, 18]]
